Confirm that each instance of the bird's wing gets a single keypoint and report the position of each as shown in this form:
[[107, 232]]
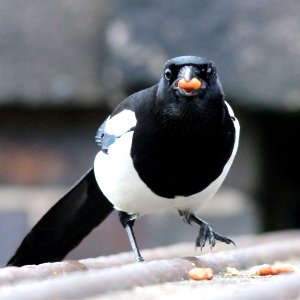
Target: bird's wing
[[236, 125], [124, 118], [64, 226], [114, 127]]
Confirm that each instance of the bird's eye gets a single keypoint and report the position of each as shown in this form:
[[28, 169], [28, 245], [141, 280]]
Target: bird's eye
[[168, 74]]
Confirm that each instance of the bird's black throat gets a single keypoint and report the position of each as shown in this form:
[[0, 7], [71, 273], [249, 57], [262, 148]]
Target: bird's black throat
[[199, 114], [180, 148]]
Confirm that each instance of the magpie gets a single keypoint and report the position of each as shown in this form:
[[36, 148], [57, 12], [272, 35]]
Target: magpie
[[169, 146]]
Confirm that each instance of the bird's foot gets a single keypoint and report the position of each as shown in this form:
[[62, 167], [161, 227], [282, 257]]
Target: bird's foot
[[139, 259], [206, 232]]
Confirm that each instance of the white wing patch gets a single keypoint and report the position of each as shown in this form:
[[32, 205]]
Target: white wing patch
[[120, 123]]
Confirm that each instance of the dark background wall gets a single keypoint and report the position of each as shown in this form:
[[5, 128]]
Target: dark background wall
[[64, 65]]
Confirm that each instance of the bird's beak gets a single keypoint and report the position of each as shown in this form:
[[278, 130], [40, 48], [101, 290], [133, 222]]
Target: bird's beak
[[189, 83]]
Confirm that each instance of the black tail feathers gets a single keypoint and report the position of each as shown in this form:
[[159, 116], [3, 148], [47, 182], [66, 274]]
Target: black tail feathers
[[64, 226]]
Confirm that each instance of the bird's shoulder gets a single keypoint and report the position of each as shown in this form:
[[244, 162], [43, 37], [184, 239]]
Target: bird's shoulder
[[124, 117], [234, 120]]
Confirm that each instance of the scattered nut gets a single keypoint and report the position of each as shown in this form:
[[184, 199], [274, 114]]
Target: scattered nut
[[264, 270], [278, 268], [232, 271], [282, 268], [201, 273]]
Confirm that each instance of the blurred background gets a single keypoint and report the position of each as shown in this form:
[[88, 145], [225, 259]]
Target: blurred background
[[64, 65]]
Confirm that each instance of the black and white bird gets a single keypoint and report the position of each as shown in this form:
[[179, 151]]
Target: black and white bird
[[166, 147]]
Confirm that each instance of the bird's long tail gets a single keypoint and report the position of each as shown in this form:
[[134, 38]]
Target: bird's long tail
[[64, 226]]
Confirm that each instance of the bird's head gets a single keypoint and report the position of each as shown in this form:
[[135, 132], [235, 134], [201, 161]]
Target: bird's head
[[189, 89]]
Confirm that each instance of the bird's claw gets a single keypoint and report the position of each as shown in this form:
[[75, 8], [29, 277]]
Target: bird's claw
[[206, 232]]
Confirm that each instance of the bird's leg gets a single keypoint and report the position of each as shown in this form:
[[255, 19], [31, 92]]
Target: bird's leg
[[206, 231], [128, 221]]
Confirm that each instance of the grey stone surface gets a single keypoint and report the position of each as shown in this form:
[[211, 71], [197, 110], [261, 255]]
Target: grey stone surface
[[95, 52]]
